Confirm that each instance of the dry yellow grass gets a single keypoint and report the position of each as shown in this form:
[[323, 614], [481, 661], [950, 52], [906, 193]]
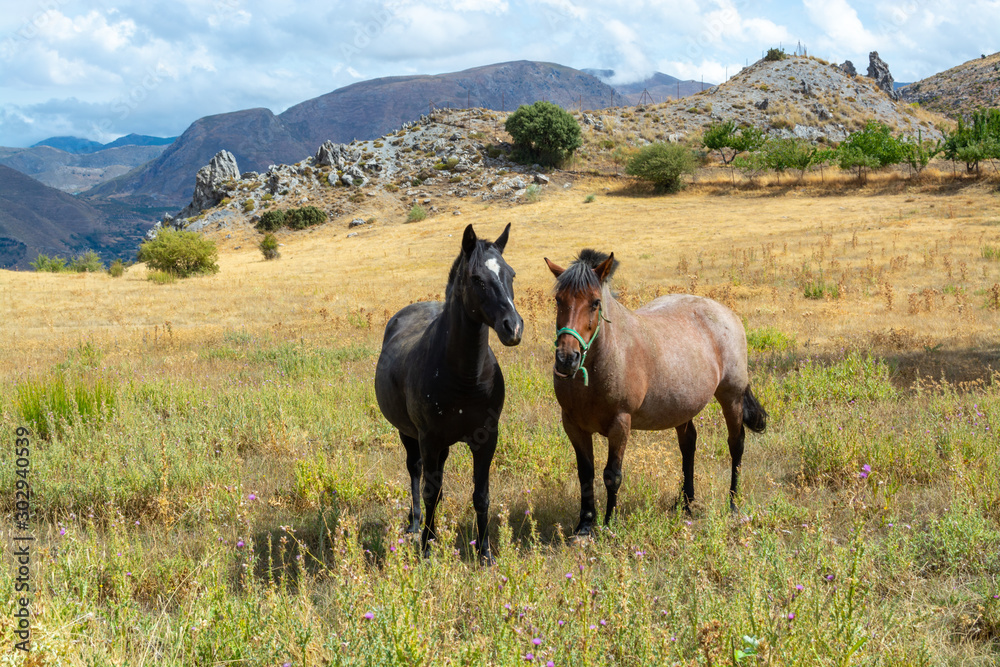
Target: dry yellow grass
[[752, 249]]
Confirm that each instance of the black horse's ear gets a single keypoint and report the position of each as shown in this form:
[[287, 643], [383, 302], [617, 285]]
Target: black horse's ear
[[501, 242], [605, 268], [554, 268], [469, 240]]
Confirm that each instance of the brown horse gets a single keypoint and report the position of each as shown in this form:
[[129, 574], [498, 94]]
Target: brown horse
[[656, 368]]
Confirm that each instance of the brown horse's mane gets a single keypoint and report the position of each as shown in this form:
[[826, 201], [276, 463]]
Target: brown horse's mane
[[580, 277]]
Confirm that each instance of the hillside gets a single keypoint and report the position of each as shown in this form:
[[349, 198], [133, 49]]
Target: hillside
[[361, 111], [798, 96], [960, 90], [75, 172], [661, 87]]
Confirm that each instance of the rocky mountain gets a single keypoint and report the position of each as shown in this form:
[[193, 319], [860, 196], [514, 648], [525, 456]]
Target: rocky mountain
[[959, 91], [75, 172], [797, 96], [35, 218], [661, 87], [257, 138]]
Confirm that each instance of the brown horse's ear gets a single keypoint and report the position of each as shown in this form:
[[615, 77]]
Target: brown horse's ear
[[469, 240], [605, 268], [501, 242], [554, 268]]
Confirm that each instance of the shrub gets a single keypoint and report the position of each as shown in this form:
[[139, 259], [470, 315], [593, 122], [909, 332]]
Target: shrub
[[307, 216], [117, 269], [180, 253], [269, 247], [663, 165], [416, 214], [249, 205], [88, 262], [774, 55], [161, 277], [270, 221], [532, 194], [46, 264], [543, 133], [589, 199]]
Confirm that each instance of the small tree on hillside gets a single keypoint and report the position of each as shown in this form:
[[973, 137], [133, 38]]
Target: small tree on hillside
[[543, 133], [975, 142], [724, 138]]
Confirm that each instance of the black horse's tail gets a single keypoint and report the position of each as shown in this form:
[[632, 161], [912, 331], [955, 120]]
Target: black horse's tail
[[754, 415]]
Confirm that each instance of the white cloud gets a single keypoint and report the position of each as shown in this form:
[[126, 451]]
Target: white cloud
[[841, 28]]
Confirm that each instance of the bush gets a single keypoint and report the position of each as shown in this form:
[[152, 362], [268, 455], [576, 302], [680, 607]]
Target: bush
[[774, 55], [88, 262], [117, 269], [249, 205], [161, 277], [46, 264], [269, 247], [663, 165], [179, 253], [416, 214], [532, 193], [270, 221], [307, 216], [543, 133]]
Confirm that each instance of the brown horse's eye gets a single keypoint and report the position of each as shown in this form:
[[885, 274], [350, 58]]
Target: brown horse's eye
[[596, 304]]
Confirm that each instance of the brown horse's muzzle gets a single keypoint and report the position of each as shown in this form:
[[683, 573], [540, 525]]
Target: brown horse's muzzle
[[568, 356]]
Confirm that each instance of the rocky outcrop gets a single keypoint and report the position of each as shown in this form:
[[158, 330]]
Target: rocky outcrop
[[879, 71], [208, 187], [848, 68]]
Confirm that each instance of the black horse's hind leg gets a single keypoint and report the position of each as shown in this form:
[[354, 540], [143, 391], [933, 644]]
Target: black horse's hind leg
[[414, 467], [687, 437], [482, 458], [583, 444], [617, 440], [433, 458]]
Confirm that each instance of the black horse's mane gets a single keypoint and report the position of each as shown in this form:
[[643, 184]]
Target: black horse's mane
[[580, 277], [481, 246]]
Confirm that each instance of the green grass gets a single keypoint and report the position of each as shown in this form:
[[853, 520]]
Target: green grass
[[248, 506], [416, 214]]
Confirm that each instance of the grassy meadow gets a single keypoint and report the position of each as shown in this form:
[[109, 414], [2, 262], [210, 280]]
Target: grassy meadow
[[213, 482]]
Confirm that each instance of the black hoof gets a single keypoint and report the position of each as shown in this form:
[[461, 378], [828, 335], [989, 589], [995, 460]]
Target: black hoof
[[584, 530], [487, 560], [413, 529]]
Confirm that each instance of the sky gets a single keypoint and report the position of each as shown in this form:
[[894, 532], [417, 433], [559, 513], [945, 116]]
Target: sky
[[102, 69]]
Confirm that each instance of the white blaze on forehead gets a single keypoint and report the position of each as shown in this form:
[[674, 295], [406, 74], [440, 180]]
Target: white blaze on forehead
[[493, 265]]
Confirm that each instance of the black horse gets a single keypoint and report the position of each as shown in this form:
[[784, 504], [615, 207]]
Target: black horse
[[438, 382]]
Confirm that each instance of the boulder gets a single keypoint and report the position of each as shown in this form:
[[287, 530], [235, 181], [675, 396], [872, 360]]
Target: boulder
[[208, 186], [848, 68], [353, 176], [879, 71], [762, 105], [357, 222], [541, 179]]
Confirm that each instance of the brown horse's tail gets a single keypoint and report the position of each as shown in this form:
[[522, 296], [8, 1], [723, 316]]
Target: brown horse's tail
[[754, 415]]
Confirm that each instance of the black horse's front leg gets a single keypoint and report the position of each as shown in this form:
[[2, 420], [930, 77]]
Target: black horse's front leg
[[433, 457], [583, 445], [482, 459], [414, 467]]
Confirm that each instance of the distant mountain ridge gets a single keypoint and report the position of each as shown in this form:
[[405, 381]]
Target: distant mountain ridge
[[364, 110], [76, 172], [78, 145], [660, 87]]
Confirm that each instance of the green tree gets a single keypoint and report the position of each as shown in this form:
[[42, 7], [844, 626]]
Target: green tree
[[975, 142], [868, 149], [269, 247], [663, 165], [918, 153], [180, 253], [783, 154], [543, 133], [723, 136]]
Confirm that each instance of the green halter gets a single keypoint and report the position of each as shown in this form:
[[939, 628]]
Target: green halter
[[584, 346]]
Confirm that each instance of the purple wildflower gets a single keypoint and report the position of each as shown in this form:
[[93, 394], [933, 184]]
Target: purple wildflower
[[537, 641], [791, 616], [240, 544], [529, 657], [369, 615]]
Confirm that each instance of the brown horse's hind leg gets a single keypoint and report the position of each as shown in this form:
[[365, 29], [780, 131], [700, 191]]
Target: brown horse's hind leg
[[687, 438], [583, 444], [617, 440], [734, 422]]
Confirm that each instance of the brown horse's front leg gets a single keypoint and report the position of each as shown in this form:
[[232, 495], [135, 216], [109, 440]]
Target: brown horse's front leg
[[583, 444], [687, 438], [617, 440]]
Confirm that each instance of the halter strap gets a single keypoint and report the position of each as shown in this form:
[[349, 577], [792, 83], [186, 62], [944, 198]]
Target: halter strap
[[584, 345]]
